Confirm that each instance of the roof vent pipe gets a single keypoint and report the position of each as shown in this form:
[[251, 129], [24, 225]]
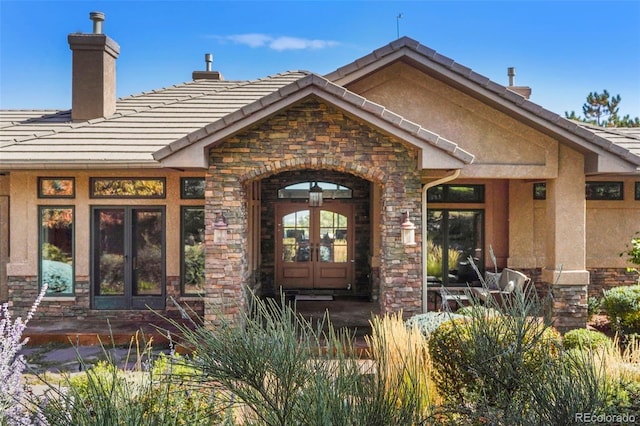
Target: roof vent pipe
[[208, 59], [511, 72], [98, 19]]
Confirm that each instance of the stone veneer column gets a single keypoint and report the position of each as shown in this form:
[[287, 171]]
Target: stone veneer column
[[226, 271], [566, 241], [400, 266]]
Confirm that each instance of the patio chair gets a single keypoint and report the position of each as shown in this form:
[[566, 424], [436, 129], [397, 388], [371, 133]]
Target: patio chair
[[501, 285], [447, 296]]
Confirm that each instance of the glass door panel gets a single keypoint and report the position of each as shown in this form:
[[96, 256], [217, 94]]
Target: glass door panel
[[295, 238], [147, 252], [110, 253], [334, 245], [453, 237]]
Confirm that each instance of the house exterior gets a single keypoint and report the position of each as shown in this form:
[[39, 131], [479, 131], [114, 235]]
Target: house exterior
[[376, 180]]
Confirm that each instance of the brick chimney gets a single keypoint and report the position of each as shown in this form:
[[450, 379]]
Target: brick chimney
[[93, 90], [524, 91]]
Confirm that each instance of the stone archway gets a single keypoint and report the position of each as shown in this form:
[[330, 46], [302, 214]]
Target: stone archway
[[314, 136]]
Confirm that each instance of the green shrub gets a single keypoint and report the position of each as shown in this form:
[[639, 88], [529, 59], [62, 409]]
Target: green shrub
[[428, 322], [583, 338], [594, 305], [107, 395], [489, 357], [623, 308], [575, 382], [476, 311]]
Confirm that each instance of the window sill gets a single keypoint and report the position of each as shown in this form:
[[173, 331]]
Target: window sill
[[70, 298]]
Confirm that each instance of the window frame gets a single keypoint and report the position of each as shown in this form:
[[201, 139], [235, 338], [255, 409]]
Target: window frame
[[185, 196], [41, 241], [446, 197], [42, 179], [620, 185], [93, 180], [540, 191], [183, 209]]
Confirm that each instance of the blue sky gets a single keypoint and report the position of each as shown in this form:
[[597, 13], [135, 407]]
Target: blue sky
[[561, 49]]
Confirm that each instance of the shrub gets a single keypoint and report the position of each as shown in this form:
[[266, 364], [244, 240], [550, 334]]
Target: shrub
[[428, 322], [478, 311], [574, 382], [105, 394], [12, 392], [583, 338], [594, 305], [277, 368], [622, 305]]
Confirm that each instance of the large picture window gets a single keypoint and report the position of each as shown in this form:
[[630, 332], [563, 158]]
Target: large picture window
[[192, 225], [56, 249]]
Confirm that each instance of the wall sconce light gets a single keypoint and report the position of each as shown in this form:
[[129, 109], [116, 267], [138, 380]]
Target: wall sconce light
[[220, 227], [315, 196], [408, 230]]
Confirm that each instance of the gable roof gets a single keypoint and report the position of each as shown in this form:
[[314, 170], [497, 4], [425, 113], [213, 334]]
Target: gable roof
[[167, 120], [594, 145], [143, 124], [437, 152]]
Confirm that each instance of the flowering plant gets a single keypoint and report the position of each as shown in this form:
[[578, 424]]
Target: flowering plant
[[12, 393]]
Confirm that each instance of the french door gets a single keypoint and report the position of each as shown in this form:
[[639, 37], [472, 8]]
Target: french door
[[454, 236], [314, 246], [128, 247]]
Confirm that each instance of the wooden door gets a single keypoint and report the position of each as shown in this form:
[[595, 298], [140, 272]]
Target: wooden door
[[314, 246]]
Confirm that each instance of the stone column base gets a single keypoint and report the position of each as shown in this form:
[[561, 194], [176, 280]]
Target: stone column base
[[569, 306]]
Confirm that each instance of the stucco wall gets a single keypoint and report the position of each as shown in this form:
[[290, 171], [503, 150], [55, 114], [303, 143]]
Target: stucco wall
[[503, 146]]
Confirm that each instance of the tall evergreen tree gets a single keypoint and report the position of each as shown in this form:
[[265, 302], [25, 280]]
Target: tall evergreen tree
[[602, 109]]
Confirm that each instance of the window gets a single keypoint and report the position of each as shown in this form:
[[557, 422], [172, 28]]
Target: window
[[127, 187], [637, 190], [456, 194], [301, 190], [540, 191], [192, 253], [57, 187], [192, 188], [604, 191], [56, 263]]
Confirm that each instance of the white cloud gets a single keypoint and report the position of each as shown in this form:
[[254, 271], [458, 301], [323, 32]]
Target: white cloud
[[277, 43]]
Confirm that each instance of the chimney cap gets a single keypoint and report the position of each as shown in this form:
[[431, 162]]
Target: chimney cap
[[98, 19]]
